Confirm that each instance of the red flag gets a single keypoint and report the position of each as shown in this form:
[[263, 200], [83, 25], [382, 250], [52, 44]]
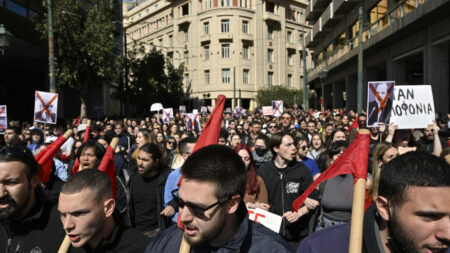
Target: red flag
[[45, 158], [76, 121], [76, 164], [107, 166], [354, 160], [211, 132], [341, 112], [354, 125]]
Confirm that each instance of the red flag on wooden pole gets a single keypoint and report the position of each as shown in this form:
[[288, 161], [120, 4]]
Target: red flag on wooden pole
[[354, 125], [354, 161], [107, 166]]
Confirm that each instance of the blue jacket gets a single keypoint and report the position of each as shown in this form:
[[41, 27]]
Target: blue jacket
[[250, 237]]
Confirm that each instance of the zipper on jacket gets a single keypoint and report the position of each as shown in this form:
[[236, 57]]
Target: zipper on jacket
[[8, 245], [282, 201]]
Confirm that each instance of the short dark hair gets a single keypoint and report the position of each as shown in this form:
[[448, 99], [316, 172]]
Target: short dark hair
[[263, 137], [96, 181], [301, 138], [415, 168], [152, 149], [255, 123], [99, 150], [23, 155], [16, 129], [275, 141], [184, 142], [220, 165]]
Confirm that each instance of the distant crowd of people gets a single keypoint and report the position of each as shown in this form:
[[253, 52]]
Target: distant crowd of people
[[165, 192]]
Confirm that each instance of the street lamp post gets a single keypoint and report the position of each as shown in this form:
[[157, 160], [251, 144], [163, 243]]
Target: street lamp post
[[323, 75], [295, 97], [305, 72], [51, 52], [5, 38], [205, 95]]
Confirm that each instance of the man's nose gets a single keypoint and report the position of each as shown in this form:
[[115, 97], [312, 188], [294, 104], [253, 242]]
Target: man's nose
[[443, 233], [185, 215], [3, 191], [68, 223]]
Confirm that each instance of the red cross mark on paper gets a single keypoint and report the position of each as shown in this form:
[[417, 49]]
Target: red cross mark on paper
[[2, 109], [377, 96], [250, 212], [167, 113], [46, 106], [277, 108]]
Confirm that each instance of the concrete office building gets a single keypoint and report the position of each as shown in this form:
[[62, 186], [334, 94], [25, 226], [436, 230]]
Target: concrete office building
[[230, 47], [407, 41]]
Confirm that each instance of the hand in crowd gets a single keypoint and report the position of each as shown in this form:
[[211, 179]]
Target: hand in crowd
[[292, 216], [434, 127], [311, 204], [168, 211], [392, 127]]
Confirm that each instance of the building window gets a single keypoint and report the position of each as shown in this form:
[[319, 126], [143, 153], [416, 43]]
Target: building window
[[289, 81], [171, 40], [226, 76], [270, 78], [225, 25], [269, 33], [206, 28], [185, 10], [206, 53], [225, 2], [290, 58], [270, 7], [289, 37], [270, 55], [245, 76], [245, 52], [225, 50], [207, 76], [243, 3], [245, 27]]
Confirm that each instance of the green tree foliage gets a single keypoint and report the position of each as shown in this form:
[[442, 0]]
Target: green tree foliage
[[151, 79], [86, 42], [265, 96]]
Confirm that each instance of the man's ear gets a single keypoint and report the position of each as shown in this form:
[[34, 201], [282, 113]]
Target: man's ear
[[383, 207], [34, 181], [233, 204], [109, 206]]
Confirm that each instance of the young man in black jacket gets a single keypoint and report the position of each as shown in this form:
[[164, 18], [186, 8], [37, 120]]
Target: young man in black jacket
[[147, 210], [87, 205], [285, 180], [28, 222]]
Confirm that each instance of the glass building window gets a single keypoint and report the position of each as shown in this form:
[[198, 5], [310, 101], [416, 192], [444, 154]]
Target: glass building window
[[226, 51], [225, 25], [226, 76]]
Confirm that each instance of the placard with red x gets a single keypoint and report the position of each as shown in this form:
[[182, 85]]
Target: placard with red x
[[45, 107], [278, 108], [167, 114], [3, 119]]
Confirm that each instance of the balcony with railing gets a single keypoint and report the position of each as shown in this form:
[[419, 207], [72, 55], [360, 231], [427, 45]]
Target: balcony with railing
[[315, 9], [348, 49]]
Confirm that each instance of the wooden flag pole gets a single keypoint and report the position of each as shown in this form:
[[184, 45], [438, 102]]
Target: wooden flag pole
[[65, 245], [185, 247], [356, 229], [68, 133]]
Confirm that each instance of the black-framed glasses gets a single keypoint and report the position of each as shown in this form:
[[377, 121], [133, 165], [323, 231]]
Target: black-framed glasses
[[196, 210]]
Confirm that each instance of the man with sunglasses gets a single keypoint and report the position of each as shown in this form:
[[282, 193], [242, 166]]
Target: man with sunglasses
[[410, 214], [28, 221], [212, 214]]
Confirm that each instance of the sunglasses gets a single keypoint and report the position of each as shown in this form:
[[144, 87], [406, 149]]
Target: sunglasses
[[303, 148], [196, 210], [272, 126], [171, 142], [286, 118]]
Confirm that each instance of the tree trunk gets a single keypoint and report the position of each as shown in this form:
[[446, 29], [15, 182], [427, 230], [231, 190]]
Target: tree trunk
[[83, 98]]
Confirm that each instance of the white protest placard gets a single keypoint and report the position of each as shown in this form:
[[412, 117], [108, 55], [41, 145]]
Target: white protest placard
[[277, 106], [268, 219], [228, 110], [267, 110], [167, 114], [45, 107], [3, 119], [156, 107], [413, 106], [182, 109], [237, 112]]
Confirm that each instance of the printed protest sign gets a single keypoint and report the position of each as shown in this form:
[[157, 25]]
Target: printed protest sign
[[167, 114], [379, 102], [204, 110], [3, 119], [156, 107], [182, 109], [268, 219], [277, 106], [228, 110], [267, 110], [413, 106], [237, 113], [45, 107]]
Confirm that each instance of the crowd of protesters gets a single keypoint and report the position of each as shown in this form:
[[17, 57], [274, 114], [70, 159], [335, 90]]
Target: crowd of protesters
[[282, 157]]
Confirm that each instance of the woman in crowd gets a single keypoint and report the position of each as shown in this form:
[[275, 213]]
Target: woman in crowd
[[256, 192], [301, 143], [382, 154], [315, 146], [235, 140], [337, 193]]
